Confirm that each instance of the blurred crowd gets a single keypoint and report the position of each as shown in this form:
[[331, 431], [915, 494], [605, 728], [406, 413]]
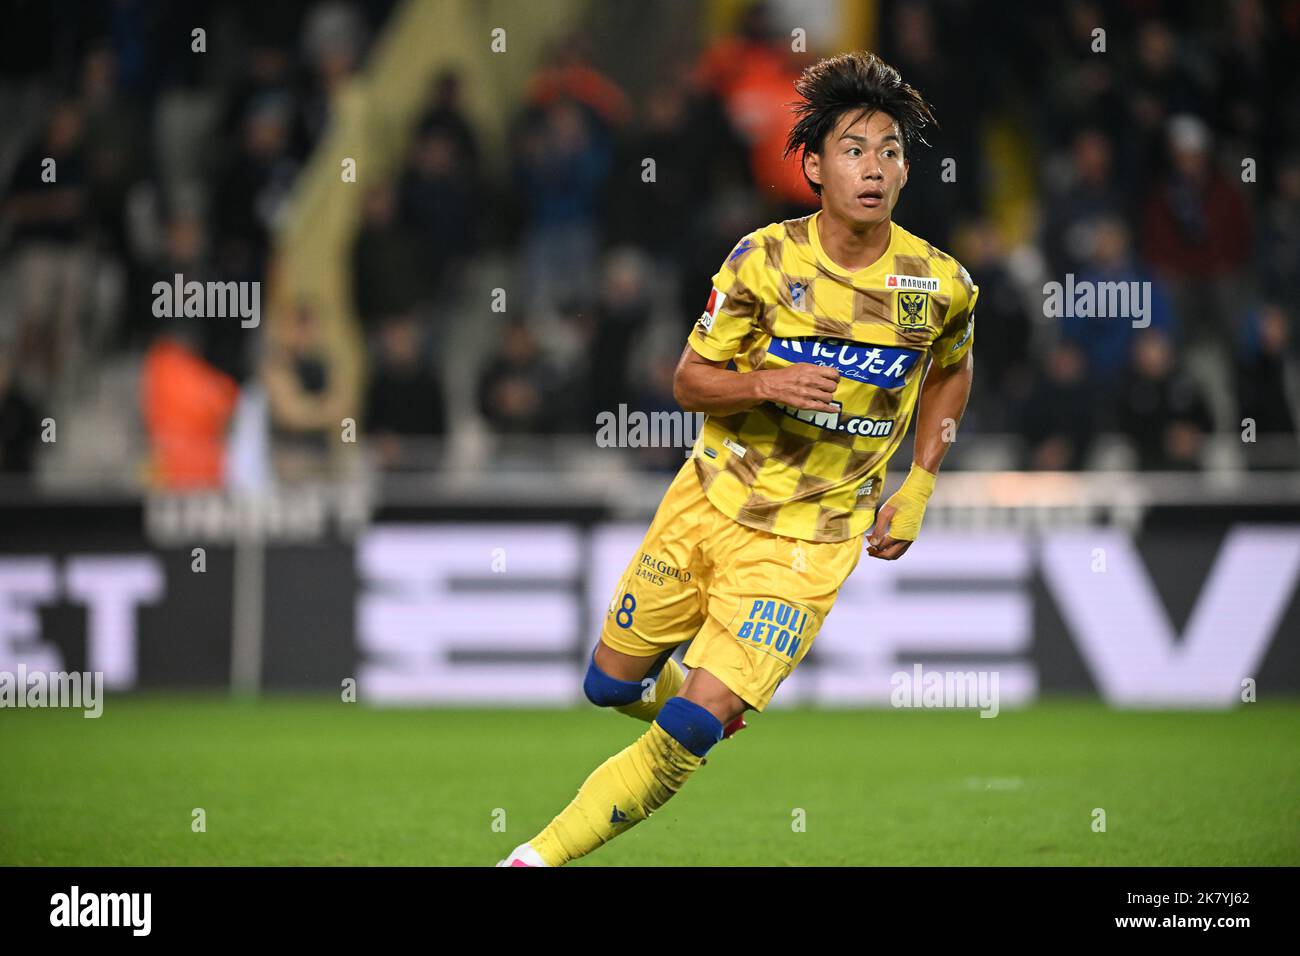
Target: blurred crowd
[[1169, 156]]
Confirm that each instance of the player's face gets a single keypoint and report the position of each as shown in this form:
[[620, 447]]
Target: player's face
[[861, 168]]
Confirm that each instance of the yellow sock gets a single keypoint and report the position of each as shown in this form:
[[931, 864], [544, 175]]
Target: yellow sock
[[670, 681], [619, 794]]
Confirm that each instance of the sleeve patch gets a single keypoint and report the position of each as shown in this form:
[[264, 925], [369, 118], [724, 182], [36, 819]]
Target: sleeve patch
[[710, 313]]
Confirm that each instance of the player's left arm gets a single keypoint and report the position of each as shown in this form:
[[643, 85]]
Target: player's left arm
[[942, 403]]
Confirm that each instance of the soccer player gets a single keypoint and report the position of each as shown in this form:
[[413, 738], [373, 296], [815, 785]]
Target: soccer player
[[820, 336]]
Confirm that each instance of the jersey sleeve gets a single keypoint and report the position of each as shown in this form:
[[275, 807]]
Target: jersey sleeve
[[958, 332], [733, 306]]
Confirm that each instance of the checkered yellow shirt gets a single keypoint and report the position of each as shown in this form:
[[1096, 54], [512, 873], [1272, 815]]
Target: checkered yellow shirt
[[779, 299]]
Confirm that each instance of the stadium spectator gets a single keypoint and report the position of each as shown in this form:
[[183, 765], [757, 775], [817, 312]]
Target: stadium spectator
[[1088, 193], [114, 136], [727, 219], [932, 204], [652, 214], [187, 405], [390, 268], [446, 114], [306, 406], [1161, 86], [20, 424], [1161, 410], [622, 313], [1106, 339], [1270, 381], [438, 199], [1197, 239], [518, 384], [567, 73], [1279, 240], [1060, 414], [183, 251], [47, 210], [1197, 231], [404, 403], [752, 73], [334, 36], [1249, 58], [268, 74], [1005, 331], [253, 186], [563, 160], [1080, 88], [655, 397]]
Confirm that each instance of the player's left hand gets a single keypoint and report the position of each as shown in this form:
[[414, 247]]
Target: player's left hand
[[880, 544], [898, 521]]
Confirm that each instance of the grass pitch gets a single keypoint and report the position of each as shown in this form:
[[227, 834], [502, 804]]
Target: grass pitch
[[290, 781]]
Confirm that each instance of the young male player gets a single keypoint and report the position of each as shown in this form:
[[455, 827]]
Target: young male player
[[836, 324]]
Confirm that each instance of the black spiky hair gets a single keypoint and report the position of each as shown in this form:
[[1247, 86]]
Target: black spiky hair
[[861, 81]]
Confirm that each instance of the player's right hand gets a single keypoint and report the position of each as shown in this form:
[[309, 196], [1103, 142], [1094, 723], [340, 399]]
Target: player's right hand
[[801, 385]]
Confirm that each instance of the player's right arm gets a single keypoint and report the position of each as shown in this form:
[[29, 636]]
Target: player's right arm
[[703, 383], [707, 385]]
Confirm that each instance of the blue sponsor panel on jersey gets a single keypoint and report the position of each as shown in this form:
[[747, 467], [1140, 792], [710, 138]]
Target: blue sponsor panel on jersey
[[879, 365], [775, 624]]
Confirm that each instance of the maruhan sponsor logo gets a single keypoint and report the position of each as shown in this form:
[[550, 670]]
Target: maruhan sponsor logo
[[1098, 300], [208, 300], [76, 908], [638, 429], [945, 689], [53, 689]]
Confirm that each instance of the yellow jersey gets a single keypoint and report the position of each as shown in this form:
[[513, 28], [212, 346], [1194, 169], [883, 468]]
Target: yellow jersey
[[779, 299]]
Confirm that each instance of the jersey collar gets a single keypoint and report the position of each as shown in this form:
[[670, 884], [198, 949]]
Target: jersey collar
[[832, 266]]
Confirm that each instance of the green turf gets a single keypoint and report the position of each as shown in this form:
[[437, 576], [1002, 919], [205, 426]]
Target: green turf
[[311, 781]]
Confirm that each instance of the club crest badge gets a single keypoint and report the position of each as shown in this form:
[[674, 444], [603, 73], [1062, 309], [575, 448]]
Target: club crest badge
[[912, 309]]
